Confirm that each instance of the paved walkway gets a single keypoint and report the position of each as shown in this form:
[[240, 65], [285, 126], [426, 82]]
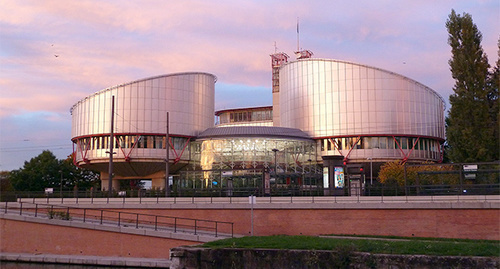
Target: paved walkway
[[85, 260]]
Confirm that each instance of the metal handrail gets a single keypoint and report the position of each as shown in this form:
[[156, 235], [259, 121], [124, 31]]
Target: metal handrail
[[379, 192], [122, 219], [368, 190], [286, 199]]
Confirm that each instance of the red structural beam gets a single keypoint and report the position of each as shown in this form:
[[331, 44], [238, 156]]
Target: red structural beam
[[178, 156]]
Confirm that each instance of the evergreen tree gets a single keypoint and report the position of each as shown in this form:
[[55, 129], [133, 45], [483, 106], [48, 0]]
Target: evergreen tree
[[470, 128], [493, 85]]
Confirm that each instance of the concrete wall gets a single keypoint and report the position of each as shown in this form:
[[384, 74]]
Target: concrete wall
[[37, 238], [444, 223], [473, 220], [277, 259]]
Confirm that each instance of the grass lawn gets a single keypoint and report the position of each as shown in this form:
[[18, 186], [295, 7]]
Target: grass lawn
[[411, 246]]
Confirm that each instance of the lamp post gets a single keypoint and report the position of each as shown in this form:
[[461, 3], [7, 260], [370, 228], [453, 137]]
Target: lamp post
[[310, 176], [371, 170], [111, 145], [275, 165], [167, 158]]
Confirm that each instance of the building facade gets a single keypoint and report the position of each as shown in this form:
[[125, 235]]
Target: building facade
[[326, 115], [140, 125], [360, 112]]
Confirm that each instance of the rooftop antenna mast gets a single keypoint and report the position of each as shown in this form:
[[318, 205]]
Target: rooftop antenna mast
[[301, 54], [298, 47]]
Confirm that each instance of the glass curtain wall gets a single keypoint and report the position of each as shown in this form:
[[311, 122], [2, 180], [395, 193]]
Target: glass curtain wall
[[245, 162]]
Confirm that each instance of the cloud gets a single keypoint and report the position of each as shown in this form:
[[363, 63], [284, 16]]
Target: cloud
[[104, 43]]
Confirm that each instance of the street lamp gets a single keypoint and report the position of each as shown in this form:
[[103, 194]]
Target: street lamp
[[275, 165], [310, 175], [111, 145]]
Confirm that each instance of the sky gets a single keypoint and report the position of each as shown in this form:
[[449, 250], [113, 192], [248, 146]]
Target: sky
[[54, 53]]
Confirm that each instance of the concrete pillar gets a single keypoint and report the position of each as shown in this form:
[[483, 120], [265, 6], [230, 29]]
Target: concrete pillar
[[105, 180], [158, 180], [158, 183]]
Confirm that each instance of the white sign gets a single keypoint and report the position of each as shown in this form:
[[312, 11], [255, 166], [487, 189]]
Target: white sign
[[470, 168], [49, 190]]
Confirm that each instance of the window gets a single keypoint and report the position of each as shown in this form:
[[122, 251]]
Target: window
[[359, 142], [121, 141], [382, 142], [404, 143], [397, 142], [345, 143], [159, 142], [178, 142], [367, 142], [96, 143], [390, 143], [105, 140], [338, 143]]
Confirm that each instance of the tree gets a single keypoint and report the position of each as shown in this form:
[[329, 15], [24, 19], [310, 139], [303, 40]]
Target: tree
[[46, 171], [5, 184], [393, 173], [78, 178], [471, 123], [493, 85], [39, 173]]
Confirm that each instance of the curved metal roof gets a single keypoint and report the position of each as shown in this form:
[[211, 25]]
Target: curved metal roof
[[372, 67], [253, 131], [141, 80]]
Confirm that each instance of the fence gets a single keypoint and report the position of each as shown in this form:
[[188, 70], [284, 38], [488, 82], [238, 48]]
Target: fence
[[419, 180], [291, 191], [121, 219]]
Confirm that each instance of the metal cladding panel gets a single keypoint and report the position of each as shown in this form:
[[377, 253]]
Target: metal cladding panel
[[328, 98], [141, 106]]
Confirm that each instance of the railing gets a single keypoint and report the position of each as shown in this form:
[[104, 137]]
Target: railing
[[286, 191], [121, 219], [163, 201]]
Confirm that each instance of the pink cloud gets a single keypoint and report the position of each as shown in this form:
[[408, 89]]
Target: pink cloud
[[101, 44]]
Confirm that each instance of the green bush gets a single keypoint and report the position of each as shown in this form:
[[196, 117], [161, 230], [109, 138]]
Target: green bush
[[52, 214]]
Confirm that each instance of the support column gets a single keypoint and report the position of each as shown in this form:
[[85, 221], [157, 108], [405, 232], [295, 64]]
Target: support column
[[158, 180], [115, 183]]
